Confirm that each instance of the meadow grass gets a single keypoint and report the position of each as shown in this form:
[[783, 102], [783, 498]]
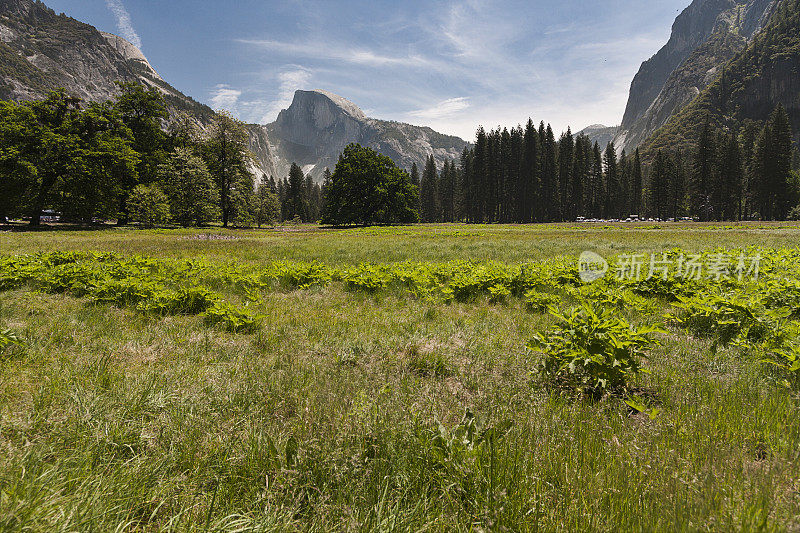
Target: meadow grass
[[338, 412]]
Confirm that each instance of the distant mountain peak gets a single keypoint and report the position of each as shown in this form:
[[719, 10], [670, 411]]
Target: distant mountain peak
[[319, 124]]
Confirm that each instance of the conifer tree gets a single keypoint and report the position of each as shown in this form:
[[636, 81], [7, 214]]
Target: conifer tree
[[296, 202], [566, 155], [702, 174], [636, 185], [659, 186], [596, 193], [529, 174], [611, 207], [428, 192], [480, 169], [549, 199], [416, 182]]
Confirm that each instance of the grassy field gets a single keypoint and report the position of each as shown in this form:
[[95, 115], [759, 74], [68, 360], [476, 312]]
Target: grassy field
[[343, 408]]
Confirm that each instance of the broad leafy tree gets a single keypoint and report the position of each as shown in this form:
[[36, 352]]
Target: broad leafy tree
[[192, 194], [368, 188]]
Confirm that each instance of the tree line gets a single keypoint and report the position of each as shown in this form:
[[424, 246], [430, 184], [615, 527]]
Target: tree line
[[126, 160], [525, 175]]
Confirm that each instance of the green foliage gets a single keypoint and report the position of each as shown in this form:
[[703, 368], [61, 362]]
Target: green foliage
[[232, 319], [368, 188], [267, 205], [53, 154], [227, 157], [593, 351], [149, 206], [7, 339], [192, 195], [725, 318], [537, 302]]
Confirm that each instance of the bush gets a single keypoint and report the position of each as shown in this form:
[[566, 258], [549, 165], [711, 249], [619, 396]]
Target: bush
[[725, 320], [232, 319], [592, 351]]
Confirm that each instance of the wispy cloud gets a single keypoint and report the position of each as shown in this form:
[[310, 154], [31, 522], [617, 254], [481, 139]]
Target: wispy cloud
[[289, 81], [444, 109], [124, 23], [225, 97], [454, 64], [327, 51]]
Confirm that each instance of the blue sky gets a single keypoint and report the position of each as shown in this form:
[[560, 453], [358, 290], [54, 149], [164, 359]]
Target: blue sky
[[451, 65]]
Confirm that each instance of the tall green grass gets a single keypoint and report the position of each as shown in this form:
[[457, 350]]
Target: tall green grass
[[345, 409]]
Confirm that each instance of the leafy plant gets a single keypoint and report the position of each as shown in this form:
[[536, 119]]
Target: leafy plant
[[725, 318], [537, 302], [8, 338], [593, 351], [499, 293], [232, 319]]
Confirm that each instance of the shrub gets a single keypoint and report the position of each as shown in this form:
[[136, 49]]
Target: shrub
[[232, 319], [537, 302], [725, 319], [592, 351]]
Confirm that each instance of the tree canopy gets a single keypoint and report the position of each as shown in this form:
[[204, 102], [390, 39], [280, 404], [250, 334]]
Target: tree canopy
[[368, 188]]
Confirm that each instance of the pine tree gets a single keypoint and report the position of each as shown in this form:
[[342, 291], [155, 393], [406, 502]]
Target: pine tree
[[596, 193], [659, 186], [624, 185], [677, 187], [480, 169], [581, 167], [636, 185], [428, 192], [296, 202], [465, 187], [529, 174], [549, 180], [702, 174], [566, 155], [415, 181], [782, 149], [446, 192], [728, 182], [611, 176]]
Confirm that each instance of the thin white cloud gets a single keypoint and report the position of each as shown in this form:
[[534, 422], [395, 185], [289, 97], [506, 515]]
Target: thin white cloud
[[444, 109], [225, 97], [326, 51], [289, 81], [124, 23]]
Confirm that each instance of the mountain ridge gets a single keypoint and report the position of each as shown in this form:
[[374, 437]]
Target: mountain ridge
[[41, 51], [705, 36]]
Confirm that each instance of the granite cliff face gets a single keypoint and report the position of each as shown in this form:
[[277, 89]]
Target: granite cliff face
[[705, 36], [749, 87], [318, 125]]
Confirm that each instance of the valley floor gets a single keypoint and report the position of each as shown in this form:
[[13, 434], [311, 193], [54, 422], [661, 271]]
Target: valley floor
[[343, 408]]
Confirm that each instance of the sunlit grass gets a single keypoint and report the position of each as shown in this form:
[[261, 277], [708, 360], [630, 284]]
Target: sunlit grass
[[326, 417]]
